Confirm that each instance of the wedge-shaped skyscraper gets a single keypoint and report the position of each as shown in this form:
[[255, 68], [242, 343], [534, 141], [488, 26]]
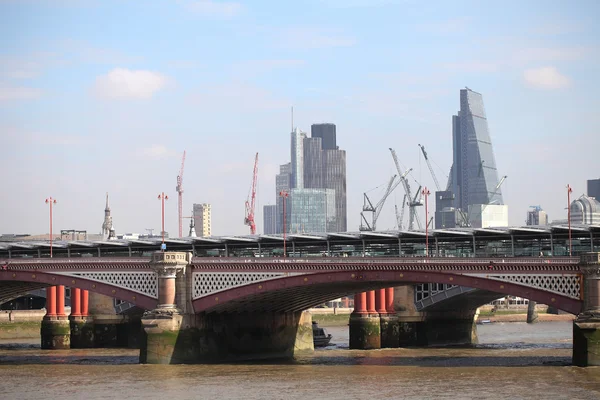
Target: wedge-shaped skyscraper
[[473, 176]]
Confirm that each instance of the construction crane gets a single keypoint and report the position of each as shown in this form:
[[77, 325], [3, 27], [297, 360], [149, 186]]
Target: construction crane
[[400, 215], [437, 184], [250, 201], [415, 201], [375, 209], [179, 190]]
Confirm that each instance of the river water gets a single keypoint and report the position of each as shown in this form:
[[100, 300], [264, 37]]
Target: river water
[[512, 361]]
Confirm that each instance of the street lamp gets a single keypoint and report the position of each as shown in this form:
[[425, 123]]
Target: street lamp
[[284, 195], [50, 201], [426, 193], [569, 190], [162, 197]]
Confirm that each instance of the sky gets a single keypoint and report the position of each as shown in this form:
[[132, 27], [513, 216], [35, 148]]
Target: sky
[[104, 96]]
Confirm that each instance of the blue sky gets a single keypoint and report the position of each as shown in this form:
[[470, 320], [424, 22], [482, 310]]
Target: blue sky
[[104, 96]]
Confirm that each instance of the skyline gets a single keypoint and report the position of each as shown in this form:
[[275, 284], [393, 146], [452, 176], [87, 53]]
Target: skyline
[[95, 101]]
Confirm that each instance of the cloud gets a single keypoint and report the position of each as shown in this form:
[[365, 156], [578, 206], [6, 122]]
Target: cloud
[[8, 93], [546, 78], [215, 8], [157, 152], [312, 38], [125, 83]]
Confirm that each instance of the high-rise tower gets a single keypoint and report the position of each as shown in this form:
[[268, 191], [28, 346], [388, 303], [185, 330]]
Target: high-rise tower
[[473, 176], [107, 225]]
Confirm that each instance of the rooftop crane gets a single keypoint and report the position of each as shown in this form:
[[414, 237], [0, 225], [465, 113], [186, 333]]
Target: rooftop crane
[[179, 189], [251, 200], [376, 210], [413, 202], [437, 184]]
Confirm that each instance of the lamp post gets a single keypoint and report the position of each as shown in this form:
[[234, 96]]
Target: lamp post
[[50, 201], [162, 197], [569, 190], [426, 193], [283, 194]]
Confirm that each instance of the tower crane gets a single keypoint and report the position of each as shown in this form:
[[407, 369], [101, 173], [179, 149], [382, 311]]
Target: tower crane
[[250, 201], [415, 201], [179, 189], [376, 209], [437, 184], [400, 216]]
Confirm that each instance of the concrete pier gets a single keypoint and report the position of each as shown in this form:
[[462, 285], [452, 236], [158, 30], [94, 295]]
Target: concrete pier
[[586, 328], [532, 315], [55, 331]]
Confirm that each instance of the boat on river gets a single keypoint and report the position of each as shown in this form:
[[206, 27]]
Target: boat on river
[[320, 336]]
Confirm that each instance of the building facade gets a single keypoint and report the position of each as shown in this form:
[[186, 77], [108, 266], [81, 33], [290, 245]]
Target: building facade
[[585, 210], [593, 188], [108, 229], [297, 153], [537, 217], [308, 210], [202, 219], [473, 175], [327, 134], [270, 219]]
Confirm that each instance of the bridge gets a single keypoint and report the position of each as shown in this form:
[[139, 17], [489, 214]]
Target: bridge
[[230, 308]]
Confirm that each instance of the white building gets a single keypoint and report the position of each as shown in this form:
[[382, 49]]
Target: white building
[[488, 215], [202, 219]]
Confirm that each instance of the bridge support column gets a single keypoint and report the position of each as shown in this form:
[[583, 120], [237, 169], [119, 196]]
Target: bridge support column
[[390, 327], [82, 327], [532, 314], [55, 331], [365, 324], [586, 328], [109, 328]]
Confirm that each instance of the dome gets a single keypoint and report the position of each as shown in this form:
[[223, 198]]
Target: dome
[[585, 210]]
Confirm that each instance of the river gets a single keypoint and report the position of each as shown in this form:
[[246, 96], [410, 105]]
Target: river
[[512, 361]]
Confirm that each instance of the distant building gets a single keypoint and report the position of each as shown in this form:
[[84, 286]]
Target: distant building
[[270, 219], [473, 175], [593, 188], [107, 225], [446, 216], [309, 210], [282, 184], [202, 219], [537, 216], [585, 210], [488, 215], [326, 132], [297, 153]]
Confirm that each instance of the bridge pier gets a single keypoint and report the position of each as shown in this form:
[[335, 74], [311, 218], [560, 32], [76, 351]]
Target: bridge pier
[[586, 328], [110, 329], [55, 331], [532, 314], [82, 326], [365, 323]]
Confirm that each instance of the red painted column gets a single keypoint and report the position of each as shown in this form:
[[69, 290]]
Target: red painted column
[[60, 301], [371, 302], [84, 303], [380, 301], [75, 302], [389, 300], [51, 301], [360, 303]]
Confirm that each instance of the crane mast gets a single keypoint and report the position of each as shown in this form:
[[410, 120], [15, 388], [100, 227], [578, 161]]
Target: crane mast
[[400, 215], [415, 201], [179, 189], [251, 201]]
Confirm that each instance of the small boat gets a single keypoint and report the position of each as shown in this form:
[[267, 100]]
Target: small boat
[[483, 321], [320, 337]]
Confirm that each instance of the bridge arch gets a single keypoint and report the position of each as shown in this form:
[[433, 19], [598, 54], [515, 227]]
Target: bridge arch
[[299, 292], [20, 282]]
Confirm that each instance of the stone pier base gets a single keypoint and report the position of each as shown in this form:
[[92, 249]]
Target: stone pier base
[[390, 331], [55, 334], [586, 342], [110, 331], [365, 331], [532, 315], [450, 332], [82, 332], [173, 338]]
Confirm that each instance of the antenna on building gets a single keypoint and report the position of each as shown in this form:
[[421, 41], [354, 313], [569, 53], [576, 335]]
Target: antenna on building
[[292, 119]]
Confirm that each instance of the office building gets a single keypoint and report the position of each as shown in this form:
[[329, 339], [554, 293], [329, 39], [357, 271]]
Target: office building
[[326, 132], [593, 188], [473, 175], [585, 210], [297, 153], [536, 216], [270, 219], [308, 210], [488, 215], [202, 219]]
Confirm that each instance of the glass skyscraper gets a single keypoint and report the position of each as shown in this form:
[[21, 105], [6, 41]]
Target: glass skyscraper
[[297, 152], [326, 132], [309, 210], [473, 176], [270, 219]]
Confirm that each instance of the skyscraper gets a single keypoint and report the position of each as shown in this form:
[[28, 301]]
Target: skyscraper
[[327, 134], [473, 176], [202, 219], [593, 188], [297, 152], [270, 219], [282, 183]]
